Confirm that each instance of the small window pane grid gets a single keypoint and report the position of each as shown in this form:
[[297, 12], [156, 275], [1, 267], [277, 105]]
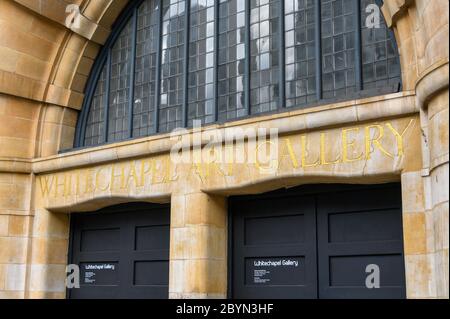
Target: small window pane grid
[[172, 65], [96, 120], [119, 90], [264, 59], [201, 101], [380, 62], [338, 48], [231, 59], [176, 61], [145, 69], [300, 56]]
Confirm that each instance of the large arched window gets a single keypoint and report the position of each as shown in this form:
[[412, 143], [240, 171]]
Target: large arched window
[[170, 62]]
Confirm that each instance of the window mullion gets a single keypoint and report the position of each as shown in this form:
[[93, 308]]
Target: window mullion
[[132, 71], [216, 61], [358, 46], [80, 136], [158, 69], [318, 45], [108, 85], [247, 57], [282, 62], [184, 108]]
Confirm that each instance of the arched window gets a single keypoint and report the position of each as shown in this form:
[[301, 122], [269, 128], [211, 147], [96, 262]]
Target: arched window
[[170, 62]]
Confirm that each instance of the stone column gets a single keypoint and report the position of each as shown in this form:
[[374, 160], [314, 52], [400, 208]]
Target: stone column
[[438, 126], [198, 246], [418, 237]]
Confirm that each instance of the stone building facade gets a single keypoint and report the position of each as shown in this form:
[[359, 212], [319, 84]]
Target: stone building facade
[[44, 68]]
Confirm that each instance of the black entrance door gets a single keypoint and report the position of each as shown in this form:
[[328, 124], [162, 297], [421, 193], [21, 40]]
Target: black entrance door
[[318, 242], [122, 252], [262, 238]]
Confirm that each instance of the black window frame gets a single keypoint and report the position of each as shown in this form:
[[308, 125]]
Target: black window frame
[[130, 13]]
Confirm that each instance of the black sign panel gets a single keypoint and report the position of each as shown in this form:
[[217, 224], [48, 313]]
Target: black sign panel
[[286, 271], [99, 273]]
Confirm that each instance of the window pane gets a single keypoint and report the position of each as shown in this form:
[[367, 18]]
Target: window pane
[[172, 60], [264, 65], [120, 86], [381, 65], [145, 69], [94, 134], [300, 52], [338, 49], [201, 62], [231, 68]]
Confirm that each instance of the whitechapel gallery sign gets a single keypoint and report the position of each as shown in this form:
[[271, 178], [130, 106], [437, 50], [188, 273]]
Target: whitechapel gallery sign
[[384, 141]]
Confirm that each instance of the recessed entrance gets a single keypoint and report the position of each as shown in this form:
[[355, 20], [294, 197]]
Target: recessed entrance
[[321, 241], [122, 251]]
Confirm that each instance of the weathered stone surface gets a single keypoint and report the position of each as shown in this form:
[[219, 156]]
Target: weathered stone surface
[[43, 72], [419, 281]]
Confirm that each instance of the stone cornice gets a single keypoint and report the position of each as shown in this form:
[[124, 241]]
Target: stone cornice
[[14, 165]]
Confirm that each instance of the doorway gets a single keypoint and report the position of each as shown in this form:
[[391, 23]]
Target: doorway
[[318, 241]]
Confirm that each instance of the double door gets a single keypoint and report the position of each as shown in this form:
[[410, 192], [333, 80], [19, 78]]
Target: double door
[[335, 241]]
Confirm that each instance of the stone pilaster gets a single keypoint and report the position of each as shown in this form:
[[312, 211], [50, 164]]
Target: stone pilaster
[[438, 113], [198, 246]]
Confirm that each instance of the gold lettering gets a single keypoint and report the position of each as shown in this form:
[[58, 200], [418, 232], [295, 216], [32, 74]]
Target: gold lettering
[[58, 184], [399, 136], [68, 186], [145, 171], [273, 163], [323, 151], [199, 170], [114, 176], [291, 153], [230, 169], [223, 169], [98, 178], [132, 175], [88, 188], [163, 170], [155, 169], [77, 187], [375, 141], [170, 177], [346, 145], [46, 183], [304, 154]]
